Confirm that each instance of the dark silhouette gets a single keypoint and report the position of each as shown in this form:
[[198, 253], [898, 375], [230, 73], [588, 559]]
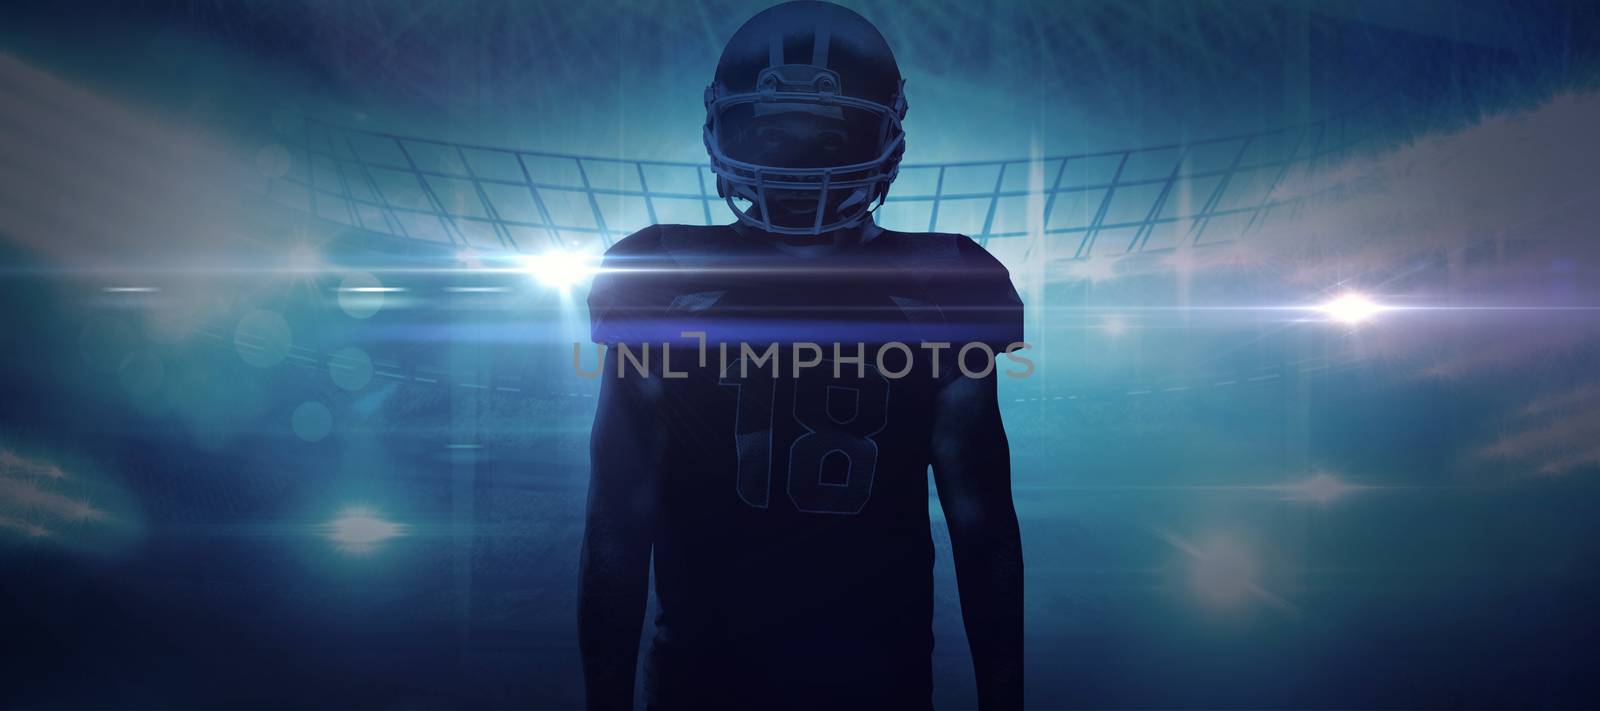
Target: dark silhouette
[[785, 501]]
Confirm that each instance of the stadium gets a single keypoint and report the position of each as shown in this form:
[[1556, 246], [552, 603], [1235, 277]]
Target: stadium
[[294, 292]]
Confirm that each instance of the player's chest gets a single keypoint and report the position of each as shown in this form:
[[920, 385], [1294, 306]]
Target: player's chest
[[763, 434]]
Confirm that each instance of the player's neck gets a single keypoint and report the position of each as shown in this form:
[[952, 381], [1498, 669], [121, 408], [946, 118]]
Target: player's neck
[[815, 245]]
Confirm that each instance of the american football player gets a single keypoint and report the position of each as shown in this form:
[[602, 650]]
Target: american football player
[[774, 392]]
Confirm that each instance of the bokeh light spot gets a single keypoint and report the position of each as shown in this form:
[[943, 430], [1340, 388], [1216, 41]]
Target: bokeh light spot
[[311, 421], [142, 373], [105, 343], [169, 324], [360, 295], [351, 368], [262, 338]]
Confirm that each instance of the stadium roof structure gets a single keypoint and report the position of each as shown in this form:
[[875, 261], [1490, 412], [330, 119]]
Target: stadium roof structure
[[489, 199]]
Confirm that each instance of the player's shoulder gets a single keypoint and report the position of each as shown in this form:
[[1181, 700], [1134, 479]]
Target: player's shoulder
[[655, 259], [645, 241], [644, 274], [947, 254], [672, 243], [962, 281]]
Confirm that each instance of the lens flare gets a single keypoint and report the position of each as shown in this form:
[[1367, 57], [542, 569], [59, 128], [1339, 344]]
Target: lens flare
[[558, 269], [1222, 572], [1352, 308], [359, 529], [1321, 488]]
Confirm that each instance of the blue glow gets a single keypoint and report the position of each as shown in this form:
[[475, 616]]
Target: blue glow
[[359, 530]]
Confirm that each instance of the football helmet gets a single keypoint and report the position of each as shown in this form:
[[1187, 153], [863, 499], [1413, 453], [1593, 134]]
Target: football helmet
[[803, 119]]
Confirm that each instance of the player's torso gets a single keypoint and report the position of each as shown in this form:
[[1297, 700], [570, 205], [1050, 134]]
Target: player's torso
[[793, 540], [792, 500]]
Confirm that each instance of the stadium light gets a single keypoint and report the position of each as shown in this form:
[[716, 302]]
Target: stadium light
[[1322, 488], [304, 259], [1352, 308], [559, 269], [1093, 271], [1223, 572], [359, 529]]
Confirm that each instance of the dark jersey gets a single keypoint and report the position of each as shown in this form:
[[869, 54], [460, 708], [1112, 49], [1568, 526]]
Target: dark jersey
[[793, 558]]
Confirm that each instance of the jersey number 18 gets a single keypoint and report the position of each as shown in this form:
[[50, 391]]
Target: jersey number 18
[[838, 418]]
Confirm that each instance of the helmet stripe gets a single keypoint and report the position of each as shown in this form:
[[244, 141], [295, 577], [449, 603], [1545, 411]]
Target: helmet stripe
[[819, 47]]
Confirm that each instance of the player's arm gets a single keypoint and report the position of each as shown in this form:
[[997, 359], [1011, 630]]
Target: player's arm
[[972, 468], [625, 450]]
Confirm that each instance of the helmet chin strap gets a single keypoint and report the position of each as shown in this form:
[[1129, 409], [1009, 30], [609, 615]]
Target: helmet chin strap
[[857, 196]]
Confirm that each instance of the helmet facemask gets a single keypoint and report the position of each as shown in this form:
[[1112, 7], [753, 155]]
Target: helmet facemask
[[805, 157]]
